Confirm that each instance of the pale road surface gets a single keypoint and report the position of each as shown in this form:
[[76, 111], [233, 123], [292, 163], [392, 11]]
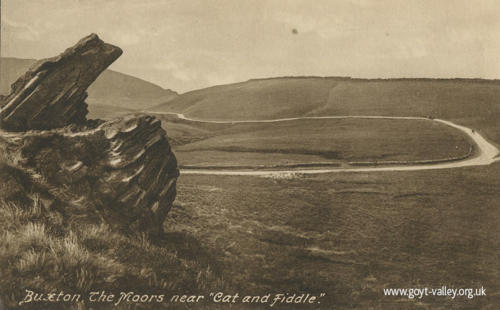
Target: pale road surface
[[485, 154]]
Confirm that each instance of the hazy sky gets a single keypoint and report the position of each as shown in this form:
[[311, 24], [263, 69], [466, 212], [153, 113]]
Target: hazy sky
[[189, 44]]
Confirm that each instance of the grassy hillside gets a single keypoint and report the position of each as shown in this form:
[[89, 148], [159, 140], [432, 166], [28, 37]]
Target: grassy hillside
[[113, 89], [256, 99], [324, 141], [469, 102], [41, 250], [350, 235]]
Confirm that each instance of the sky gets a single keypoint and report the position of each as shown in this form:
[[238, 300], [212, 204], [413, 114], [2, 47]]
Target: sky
[[190, 44]]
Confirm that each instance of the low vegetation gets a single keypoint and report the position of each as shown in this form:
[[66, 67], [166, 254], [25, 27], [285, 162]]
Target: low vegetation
[[320, 141], [350, 235], [41, 252], [474, 103]]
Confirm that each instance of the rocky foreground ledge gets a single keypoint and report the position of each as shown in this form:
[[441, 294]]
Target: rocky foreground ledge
[[122, 171]]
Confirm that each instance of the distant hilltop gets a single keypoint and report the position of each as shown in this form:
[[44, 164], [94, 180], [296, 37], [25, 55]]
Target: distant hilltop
[[298, 96], [348, 78]]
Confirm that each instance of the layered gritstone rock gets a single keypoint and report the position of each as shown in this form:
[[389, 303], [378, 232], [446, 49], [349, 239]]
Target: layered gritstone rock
[[121, 171], [52, 93]]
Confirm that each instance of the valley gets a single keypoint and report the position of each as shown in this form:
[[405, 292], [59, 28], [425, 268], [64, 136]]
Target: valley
[[303, 229]]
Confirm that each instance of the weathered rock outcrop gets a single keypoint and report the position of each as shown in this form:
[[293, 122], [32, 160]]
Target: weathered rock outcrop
[[52, 93], [121, 171]]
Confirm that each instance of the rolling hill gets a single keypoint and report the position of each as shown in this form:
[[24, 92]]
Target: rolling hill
[[112, 93], [471, 102]]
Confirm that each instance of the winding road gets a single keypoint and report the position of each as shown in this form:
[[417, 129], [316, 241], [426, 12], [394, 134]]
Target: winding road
[[486, 153]]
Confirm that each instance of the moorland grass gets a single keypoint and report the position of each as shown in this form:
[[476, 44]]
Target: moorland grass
[[471, 102], [41, 252], [350, 235], [313, 141]]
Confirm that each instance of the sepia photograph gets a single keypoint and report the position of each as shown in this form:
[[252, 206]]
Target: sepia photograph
[[249, 154]]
